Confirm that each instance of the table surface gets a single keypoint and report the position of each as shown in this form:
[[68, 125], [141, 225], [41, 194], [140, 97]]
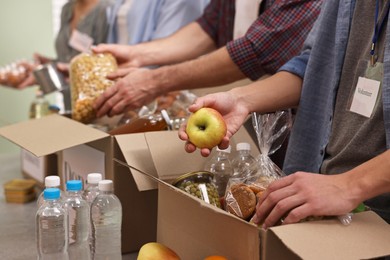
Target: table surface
[[17, 228]]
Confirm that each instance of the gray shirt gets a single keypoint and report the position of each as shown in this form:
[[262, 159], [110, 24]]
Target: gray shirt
[[93, 24], [321, 65]]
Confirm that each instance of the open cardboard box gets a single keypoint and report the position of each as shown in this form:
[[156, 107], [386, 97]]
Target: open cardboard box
[[55, 134], [195, 229]]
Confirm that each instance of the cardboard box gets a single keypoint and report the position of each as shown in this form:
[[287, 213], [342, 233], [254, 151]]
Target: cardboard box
[[38, 168], [191, 227], [137, 193], [195, 229]]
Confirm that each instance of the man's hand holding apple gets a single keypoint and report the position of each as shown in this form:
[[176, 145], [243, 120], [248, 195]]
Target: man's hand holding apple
[[234, 114]]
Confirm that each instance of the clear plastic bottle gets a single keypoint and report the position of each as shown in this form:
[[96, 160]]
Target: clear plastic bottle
[[52, 227], [90, 193], [220, 166], [79, 221], [39, 107], [106, 218], [92, 189], [52, 181], [244, 164]]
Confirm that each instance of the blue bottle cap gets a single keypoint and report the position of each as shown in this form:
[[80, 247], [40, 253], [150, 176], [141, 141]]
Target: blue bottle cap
[[74, 185], [51, 194]]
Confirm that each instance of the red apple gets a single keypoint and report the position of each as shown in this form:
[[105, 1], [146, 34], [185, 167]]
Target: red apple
[[156, 251], [206, 128]]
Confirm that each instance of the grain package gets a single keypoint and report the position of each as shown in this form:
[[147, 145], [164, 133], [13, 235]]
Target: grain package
[[88, 79]]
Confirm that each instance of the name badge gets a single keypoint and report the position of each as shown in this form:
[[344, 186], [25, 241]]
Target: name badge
[[365, 96], [80, 41]]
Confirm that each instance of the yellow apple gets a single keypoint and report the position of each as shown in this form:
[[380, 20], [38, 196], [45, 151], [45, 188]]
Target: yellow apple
[[206, 128], [156, 251]]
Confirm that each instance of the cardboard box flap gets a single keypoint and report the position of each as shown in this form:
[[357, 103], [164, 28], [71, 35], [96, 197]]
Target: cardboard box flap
[[167, 151], [135, 150], [368, 236], [50, 134]]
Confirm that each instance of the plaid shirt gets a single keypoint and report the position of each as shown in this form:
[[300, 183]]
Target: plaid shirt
[[274, 38]]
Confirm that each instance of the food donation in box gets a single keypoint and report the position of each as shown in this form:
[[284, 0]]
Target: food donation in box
[[244, 191]]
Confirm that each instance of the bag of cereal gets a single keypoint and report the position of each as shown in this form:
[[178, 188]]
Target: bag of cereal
[[88, 80]]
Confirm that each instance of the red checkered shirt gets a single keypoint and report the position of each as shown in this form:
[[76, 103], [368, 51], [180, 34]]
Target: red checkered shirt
[[274, 38]]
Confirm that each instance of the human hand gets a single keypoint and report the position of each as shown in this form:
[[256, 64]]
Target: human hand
[[133, 91], [26, 82], [27, 78], [302, 194], [122, 53], [40, 59], [233, 112]]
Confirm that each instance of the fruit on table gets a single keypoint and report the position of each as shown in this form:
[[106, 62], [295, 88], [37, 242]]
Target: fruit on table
[[156, 251], [206, 128]]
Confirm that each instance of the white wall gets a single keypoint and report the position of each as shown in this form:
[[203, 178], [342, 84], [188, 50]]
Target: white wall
[[26, 27]]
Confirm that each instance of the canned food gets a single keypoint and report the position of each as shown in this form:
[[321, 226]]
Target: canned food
[[199, 184]]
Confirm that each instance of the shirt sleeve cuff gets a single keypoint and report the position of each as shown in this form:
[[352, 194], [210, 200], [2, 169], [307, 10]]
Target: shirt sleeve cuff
[[244, 56], [297, 65]]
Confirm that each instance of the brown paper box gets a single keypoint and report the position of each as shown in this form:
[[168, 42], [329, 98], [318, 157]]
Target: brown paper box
[[195, 230], [137, 193]]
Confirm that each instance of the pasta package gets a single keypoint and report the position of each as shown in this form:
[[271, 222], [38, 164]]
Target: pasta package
[[88, 80]]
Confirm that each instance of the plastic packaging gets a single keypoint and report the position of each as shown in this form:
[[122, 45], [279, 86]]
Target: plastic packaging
[[52, 227], [147, 123], [52, 181], [92, 189], [90, 193], [243, 163], [220, 165], [243, 192], [16, 72], [106, 218], [88, 80], [79, 221]]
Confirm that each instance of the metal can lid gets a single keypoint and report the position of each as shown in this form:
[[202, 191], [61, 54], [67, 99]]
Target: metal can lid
[[194, 176]]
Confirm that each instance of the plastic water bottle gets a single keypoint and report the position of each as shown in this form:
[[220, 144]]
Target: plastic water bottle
[[220, 166], [106, 218], [92, 189], [79, 221], [51, 181], [244, 164], [90, 193], [52, 227]]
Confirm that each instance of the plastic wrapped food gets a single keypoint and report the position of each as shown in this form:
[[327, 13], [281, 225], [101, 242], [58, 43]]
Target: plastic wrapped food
[[271, 130], [13, 74], [88, 79]]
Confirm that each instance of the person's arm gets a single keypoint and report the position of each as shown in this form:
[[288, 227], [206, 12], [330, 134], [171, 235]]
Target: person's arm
[[303, 194], [141, 86], [188, 43], [209, 70], [275, 37]]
